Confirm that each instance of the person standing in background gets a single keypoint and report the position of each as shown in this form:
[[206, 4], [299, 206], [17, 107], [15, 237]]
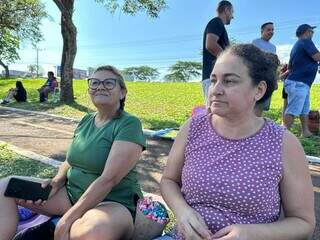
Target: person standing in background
[[264, 44], [215, 40], [303, 66]]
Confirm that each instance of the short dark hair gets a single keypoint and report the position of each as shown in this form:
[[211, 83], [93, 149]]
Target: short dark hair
[[265, 24], [262, 66], [223, 5], [51, 73]]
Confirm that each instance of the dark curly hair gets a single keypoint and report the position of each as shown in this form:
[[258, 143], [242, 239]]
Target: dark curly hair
[[262, 66]]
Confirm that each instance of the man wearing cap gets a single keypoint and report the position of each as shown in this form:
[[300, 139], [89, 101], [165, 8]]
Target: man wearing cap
[[215, 40], [264, 44], [303, 65]]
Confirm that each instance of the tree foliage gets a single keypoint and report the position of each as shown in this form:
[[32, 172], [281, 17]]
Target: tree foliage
[[142, 73], [183, 71], [9, 45], [69, 33], [20, 20], [131, 7], [23, 18], [32, 69]]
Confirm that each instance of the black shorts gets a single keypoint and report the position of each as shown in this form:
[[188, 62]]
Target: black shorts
[[284, 94], [132, 211]]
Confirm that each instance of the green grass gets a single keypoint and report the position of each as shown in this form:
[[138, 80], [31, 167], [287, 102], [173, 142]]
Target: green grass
[[14, 164], [158, 105]]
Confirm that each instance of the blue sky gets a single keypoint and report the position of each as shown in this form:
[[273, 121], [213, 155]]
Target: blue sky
[[123, 40]]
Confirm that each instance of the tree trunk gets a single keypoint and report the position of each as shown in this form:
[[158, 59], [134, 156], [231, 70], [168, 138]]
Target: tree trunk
[[69, 35], [6, 68]]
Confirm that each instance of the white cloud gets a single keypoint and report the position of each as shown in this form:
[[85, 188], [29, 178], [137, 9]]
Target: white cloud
[[283, 52]]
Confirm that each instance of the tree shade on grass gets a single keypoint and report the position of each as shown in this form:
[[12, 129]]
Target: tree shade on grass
[[158, 105], [14, 164]]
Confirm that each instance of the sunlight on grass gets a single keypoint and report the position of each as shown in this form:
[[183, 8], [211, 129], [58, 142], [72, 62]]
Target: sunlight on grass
[[158, 105], [14, 164]]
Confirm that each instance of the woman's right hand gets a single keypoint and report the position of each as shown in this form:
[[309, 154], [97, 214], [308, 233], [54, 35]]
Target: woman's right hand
[[192, 226], [56, 184]]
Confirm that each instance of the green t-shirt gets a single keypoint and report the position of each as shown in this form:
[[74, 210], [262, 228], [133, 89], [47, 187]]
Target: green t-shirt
[[89, 151]]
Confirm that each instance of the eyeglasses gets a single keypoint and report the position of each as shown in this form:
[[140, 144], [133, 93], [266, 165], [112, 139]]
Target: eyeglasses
[[108, 83]]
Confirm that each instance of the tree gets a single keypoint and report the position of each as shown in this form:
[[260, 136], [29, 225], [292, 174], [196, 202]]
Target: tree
[[69, 33], [142, 73], [20, 20], [32, 69], [9, 46], [182, 71]]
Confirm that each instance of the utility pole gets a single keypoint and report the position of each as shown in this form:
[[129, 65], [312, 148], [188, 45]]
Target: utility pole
[[37, 59], [37, 49]]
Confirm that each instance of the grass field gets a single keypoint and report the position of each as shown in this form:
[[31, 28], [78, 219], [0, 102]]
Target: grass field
[[158, 105], [14, 164]]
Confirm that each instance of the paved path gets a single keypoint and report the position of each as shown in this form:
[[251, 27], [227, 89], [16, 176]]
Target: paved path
[[50, 136]]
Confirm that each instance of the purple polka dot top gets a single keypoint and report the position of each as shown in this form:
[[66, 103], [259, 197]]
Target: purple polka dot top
[[232, 181]]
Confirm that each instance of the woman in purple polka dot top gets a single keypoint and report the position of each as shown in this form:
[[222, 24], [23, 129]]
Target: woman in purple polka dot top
[[229, 171]]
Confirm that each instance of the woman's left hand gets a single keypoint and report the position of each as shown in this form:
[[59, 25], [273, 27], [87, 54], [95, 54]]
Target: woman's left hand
[[62, 230], [232, 232]]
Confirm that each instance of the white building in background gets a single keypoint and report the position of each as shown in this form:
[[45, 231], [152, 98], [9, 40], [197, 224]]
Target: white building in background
[[15, 73], [45, 68], [22, 71], [77, 73]]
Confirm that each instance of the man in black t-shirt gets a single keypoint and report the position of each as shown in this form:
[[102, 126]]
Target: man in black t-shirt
[[215, 40]]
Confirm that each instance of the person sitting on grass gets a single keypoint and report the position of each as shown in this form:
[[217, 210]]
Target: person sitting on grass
[[18, 93], [96, 188], [48, 87], [229, 171]]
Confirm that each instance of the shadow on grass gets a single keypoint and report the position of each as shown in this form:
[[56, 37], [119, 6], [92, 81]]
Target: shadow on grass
[[151, 164], [35, 105], [79, 107], [14, 164], [155, 124]]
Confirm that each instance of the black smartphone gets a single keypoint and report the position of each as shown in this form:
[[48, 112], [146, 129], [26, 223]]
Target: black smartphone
[[27, 190]]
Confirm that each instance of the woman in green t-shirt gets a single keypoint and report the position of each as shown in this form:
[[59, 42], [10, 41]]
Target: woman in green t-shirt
[[96, 188]]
